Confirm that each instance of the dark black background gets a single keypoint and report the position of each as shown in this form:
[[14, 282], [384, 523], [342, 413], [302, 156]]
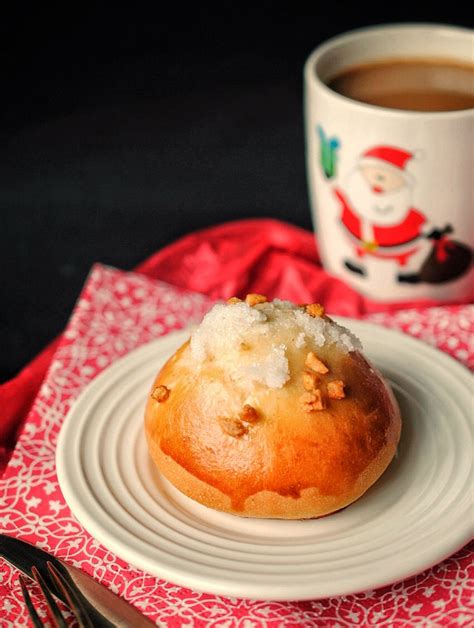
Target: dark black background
[[123, 128]]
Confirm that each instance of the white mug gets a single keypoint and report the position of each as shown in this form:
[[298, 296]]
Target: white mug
[[411, 238]]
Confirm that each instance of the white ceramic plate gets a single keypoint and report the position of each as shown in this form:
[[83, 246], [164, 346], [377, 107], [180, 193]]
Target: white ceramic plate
[[418, 513]]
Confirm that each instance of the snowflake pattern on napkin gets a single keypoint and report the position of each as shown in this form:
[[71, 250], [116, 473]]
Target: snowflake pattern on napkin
[[116, 313]]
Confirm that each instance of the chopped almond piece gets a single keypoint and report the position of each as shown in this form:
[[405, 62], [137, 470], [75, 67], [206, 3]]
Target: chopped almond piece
[[233, 427], [255, 299], [314, 363], [310, 380], [316, 310], [234, 300], [336, 389], [160, 393], [312, 401], [249, 414]]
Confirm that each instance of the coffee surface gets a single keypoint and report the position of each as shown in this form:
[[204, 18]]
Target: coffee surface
[[409, 84]]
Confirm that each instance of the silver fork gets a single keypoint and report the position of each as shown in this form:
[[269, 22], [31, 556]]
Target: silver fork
[[69, 593]]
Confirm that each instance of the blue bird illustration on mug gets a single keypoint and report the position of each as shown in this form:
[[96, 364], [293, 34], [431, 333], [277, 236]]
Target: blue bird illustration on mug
[[328, 153]]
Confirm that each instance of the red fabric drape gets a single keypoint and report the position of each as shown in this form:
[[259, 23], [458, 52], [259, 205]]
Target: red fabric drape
[[261, 255]]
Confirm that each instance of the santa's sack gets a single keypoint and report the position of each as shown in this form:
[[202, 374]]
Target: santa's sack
[[447, 261]]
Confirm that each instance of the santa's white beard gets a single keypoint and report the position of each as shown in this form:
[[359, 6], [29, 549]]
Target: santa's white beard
[[388, 208]]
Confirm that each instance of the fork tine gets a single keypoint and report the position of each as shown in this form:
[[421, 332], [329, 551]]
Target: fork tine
[[29, 605], [69, 591], [53, 607]]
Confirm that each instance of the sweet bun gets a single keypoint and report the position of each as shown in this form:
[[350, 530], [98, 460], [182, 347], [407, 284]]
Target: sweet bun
[[271, 410]]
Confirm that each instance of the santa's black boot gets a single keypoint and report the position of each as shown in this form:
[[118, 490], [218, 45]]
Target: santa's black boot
[[355, 268], [408, 278]]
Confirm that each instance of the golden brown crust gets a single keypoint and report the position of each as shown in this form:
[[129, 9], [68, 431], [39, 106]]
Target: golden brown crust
[[294, 461]]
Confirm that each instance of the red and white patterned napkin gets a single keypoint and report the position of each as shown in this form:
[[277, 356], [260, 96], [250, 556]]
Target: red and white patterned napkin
[[117, 312]]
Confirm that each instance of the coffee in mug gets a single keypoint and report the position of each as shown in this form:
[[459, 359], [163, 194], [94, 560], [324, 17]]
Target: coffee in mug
[[415, 84]]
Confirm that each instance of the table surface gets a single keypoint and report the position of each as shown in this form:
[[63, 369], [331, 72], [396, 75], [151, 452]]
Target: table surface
[[122, 131]]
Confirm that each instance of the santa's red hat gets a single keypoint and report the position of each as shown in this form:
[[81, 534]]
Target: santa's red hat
[[390, 156]]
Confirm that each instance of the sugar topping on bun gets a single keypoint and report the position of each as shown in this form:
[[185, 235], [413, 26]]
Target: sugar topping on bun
[[254, 343]]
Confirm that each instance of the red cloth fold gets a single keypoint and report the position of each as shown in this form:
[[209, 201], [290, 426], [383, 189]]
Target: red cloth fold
[[261, 255]]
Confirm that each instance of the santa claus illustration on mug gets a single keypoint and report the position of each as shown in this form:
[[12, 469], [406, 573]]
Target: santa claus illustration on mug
[[380, 220]]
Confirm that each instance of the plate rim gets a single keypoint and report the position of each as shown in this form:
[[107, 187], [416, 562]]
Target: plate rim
[[210, 585]]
